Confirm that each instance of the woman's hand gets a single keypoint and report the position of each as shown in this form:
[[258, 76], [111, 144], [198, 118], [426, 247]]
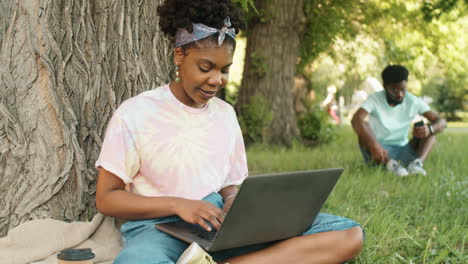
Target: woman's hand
[[200, 212]]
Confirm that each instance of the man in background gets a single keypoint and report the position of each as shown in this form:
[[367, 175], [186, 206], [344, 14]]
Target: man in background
[[384, 138]]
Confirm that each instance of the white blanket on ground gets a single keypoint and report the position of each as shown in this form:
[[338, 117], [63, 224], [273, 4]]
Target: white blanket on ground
[[39, 241]]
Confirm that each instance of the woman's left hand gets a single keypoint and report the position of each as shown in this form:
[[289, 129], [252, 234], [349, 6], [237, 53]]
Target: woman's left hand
[[229, 194], [228, 203]]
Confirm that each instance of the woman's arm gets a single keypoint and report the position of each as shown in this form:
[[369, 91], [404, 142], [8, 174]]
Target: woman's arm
[[228, 193], [112, 199]]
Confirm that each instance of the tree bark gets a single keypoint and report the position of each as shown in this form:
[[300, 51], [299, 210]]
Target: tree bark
[[65, 66], [271, 57]]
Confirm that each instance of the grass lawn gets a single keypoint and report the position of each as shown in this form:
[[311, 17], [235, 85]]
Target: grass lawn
[[417, 219]]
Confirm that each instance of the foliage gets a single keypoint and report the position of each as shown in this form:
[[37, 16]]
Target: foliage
[[259, 65], [430, 49], [407, 220], [325, 22], [433, 9], [245, 5], [397, 32], [447, 101], [346, 41], [316, 127], [254, 118], [230, 96]]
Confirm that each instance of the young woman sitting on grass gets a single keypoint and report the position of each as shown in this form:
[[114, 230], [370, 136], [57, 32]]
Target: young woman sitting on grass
[[176, 152]]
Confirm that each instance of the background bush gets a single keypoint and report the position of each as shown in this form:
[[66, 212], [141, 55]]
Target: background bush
[[315, 126]]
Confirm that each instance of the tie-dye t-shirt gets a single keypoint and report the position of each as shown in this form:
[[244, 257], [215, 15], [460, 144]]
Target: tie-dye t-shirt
[[160, 147]]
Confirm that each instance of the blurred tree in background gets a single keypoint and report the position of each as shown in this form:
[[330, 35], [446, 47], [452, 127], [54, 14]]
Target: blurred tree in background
[[343, 42], [273, 43], [428, 37]]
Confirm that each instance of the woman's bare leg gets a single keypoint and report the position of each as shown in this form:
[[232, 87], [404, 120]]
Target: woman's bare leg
[[326, 247]]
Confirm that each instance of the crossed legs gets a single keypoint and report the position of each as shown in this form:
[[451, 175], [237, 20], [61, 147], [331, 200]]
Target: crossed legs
[[326, 247], [329, 239]]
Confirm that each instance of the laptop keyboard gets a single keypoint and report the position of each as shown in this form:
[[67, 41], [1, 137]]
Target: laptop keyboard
[[200, 232]]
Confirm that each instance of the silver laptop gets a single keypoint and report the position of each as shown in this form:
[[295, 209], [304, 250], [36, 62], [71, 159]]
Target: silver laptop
[[267, 208]]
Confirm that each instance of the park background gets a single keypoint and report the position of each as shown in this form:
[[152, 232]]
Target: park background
[[65, 66]]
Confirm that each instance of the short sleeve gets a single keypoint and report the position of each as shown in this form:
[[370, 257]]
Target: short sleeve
[[238, 161], [422, 107], [119, 152], [369, 104]]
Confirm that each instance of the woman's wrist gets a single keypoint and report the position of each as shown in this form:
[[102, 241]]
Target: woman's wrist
[[175, 203], [229, 197]]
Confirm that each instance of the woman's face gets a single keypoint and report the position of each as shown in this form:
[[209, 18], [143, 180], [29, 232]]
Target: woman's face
[[203, 71]]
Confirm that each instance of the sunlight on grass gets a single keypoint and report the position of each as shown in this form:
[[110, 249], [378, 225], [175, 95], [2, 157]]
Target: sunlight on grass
[[407, 220], [457, 124]]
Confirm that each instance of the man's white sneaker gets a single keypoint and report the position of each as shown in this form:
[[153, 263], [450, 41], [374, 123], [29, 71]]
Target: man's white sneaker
[[416, 167], [395, 167], [194, 254]]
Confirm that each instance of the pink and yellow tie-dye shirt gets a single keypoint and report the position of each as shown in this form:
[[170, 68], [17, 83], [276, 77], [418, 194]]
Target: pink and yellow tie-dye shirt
[[160, 147]]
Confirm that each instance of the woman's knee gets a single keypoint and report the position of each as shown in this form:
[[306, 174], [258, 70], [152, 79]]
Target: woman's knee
[[353, 241]]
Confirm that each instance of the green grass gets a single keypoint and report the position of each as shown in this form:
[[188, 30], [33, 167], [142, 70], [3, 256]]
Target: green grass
[[458, 124], [418, 219]]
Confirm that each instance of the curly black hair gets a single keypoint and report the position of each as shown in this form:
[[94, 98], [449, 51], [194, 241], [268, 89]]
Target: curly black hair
[[394, 74], [175, 14]]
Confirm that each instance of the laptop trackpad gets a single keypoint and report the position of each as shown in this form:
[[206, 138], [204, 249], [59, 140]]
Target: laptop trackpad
[[188, 232]]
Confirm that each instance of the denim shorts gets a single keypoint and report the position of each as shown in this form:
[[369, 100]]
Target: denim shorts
[[404, 154], [143, 243]]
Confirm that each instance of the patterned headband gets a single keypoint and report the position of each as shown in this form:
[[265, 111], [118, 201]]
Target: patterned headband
[[201, 31]]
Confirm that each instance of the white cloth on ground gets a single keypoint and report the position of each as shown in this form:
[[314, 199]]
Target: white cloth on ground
[[39, 241]]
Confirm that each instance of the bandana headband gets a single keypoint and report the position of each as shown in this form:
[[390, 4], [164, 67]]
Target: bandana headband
[[201, 31]]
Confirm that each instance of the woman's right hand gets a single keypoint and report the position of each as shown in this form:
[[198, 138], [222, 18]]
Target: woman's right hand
[[200, 212]]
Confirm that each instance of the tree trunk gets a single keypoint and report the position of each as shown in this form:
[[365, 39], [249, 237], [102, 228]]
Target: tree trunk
[[65, 66], [271, 57]]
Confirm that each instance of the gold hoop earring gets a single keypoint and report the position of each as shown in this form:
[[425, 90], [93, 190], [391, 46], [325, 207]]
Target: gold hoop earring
[[177, 78]]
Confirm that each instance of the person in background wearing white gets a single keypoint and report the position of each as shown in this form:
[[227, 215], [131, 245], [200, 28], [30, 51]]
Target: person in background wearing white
[[330, 103]]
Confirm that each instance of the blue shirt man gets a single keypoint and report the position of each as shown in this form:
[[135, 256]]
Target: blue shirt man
[[384, 139]]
